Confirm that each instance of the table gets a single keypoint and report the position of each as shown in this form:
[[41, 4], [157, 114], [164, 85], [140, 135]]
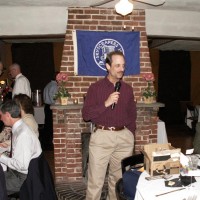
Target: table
[[39, 114], [147, 190], [188, 121], [161, 133]]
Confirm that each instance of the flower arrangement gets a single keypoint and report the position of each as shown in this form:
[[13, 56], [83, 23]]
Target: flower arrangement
[[149, 93], [61, 79], [4, 89]]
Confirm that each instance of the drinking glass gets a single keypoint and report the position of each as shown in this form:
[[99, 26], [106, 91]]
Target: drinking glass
[[193, 162]]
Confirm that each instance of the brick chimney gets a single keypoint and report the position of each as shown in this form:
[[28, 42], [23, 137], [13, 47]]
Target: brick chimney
[[68, 122]]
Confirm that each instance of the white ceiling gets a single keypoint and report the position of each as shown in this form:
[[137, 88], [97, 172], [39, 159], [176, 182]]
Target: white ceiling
[[191, 5], [170, 43]]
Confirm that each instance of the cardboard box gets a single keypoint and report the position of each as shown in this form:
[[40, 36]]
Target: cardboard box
[[161, 159]]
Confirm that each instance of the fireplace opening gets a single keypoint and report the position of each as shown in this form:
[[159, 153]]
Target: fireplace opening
[[85, 139]]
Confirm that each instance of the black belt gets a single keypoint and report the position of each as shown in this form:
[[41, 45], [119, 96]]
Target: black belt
[[112, 128]]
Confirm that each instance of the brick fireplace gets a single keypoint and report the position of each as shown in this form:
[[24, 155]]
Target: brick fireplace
[[67, 120]]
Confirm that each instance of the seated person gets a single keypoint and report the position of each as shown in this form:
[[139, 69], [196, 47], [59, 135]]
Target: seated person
[[25, 147], [27, 111]]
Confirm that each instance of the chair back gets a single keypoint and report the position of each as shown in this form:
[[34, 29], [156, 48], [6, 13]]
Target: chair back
[[119, 190], [39, 184], [193, 116], [132, 162], [129, 180]]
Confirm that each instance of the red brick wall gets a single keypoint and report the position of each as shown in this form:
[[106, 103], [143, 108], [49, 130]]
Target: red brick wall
[[103, 20], [68, 123]]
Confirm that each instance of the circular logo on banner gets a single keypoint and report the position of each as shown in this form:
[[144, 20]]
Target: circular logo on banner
[[102, 48]]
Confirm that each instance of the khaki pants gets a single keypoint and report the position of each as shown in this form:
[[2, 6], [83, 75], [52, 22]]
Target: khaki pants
[[107, 147]]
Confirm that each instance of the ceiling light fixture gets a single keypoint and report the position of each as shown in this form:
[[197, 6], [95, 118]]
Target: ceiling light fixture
[[124, 7]]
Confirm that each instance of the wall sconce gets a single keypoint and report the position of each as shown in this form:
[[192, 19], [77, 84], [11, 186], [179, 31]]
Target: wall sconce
[[124, 7]]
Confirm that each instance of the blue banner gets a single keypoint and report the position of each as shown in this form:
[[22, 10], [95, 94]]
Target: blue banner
[[91, 48]]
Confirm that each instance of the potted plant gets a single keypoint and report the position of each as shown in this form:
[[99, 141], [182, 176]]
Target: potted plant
[[62, 93], [149, 93]]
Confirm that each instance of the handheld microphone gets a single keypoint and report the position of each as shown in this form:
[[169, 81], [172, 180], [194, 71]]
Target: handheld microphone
[[117, 88]]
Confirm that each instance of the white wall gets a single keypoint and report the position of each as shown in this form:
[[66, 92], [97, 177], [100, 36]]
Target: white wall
[[53, 20], [32, 20], [173, 23]]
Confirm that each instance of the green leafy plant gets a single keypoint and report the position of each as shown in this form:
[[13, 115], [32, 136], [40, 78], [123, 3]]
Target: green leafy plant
[[149, 91]]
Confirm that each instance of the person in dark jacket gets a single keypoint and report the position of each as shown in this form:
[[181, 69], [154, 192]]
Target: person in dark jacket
[[196, 142]]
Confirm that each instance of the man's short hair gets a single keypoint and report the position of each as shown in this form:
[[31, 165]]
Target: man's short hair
[[109, 56], [16, 66], [11, 107]]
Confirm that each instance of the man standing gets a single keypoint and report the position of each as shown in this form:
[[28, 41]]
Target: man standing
[[48, 96], [21, 84], [113, 113], [25, 147]]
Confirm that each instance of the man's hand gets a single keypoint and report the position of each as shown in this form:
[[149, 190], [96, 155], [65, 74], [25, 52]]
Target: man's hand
[[113, 98]]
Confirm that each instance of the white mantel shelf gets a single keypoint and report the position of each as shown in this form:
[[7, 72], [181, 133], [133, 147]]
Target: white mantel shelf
[[79, 106]]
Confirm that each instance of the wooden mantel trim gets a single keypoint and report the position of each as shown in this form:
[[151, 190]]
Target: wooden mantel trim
[[79, 106]]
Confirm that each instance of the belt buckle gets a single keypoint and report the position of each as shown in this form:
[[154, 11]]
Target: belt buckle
[[111, 128]]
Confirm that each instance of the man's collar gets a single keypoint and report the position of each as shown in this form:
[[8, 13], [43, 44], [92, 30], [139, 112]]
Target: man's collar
[[16, 124], [109, 82], [18, 75]]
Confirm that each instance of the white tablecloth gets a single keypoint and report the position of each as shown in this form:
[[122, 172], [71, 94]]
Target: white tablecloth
[[162, 134], [147, 190], [188, 121], [39, 114]]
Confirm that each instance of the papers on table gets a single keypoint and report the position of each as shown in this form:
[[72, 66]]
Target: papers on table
[[157, 187], [191, 173]]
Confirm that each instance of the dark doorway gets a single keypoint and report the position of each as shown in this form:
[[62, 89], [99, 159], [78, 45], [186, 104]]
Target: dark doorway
[[174, 84], [37, 64], [36, 61]]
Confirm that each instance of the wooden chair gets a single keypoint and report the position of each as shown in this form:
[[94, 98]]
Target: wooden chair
[[127, 164], [194, 116]]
